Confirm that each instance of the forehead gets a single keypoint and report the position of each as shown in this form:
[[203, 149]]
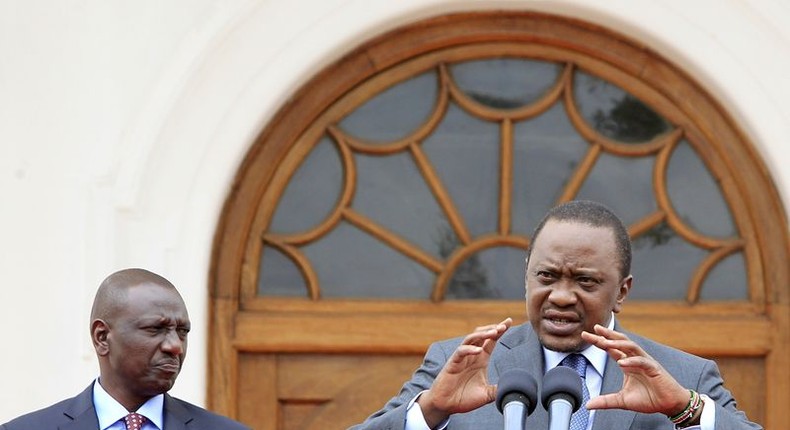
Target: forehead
[[151, 300], [564, 239]]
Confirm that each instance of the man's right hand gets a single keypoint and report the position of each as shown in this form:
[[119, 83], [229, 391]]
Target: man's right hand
[[462, 385]]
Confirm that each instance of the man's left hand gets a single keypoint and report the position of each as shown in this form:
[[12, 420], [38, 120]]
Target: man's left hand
[[647, 386]]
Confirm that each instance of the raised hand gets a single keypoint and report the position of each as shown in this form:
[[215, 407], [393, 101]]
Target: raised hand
[[647, 386], [462, 384]]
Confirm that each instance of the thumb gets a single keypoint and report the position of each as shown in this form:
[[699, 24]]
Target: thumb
[[607, 401]]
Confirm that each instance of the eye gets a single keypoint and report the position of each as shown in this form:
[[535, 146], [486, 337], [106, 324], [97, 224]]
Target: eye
[[587, 281], [183, 331], [545, 276], [153, 329]]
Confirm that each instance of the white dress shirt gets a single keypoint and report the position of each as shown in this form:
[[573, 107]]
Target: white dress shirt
[[594, 379], [111, 413]]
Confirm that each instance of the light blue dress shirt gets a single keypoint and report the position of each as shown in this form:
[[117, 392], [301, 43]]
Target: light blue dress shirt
[[111, 413]]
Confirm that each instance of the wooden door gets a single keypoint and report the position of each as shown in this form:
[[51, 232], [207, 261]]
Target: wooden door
[[319, 391], [327, 286]]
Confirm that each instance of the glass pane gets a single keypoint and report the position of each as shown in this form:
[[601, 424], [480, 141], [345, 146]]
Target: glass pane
[[391, 192], [396, 112], [505, 83], [351, 263], [312, 192], [695, 195], [279, 275], [727, 280], [615, 113], [546, 151], [662, 265], [465, 151], [625, 184], [496, 273]]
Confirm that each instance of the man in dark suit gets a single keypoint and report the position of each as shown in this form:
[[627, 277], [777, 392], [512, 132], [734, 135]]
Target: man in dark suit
[[139, 327], [577, 278]]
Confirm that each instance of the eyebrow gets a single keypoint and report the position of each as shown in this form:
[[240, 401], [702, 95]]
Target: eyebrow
[[542, 265], [162, 320]]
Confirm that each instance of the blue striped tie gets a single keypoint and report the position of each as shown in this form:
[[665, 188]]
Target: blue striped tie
[[578, 363]]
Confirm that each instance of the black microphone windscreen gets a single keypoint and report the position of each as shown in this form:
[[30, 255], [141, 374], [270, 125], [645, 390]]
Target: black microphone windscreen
[[517, 384], [562, 381]]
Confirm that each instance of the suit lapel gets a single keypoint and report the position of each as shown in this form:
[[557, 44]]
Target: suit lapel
[[524, 352], [81, 412], [176, 416], [84, 421], [606, 419]]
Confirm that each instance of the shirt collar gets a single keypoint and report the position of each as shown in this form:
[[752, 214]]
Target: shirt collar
[[109, 411], [596, 356]]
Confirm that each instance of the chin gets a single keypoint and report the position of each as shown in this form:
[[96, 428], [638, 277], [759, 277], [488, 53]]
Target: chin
[[165, 386], [562, 344]]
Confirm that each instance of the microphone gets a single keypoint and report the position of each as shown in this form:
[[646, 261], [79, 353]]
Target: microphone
[[516, 397], [561, 396]]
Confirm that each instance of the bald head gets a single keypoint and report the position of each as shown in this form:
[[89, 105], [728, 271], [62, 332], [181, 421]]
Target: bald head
[[139, 327], [113, 291]]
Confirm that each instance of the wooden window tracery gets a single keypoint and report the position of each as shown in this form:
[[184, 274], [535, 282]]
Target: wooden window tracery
[[622, 147]]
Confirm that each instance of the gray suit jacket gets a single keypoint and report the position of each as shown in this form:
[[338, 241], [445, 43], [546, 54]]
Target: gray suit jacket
[[519, 348], [78, 413]]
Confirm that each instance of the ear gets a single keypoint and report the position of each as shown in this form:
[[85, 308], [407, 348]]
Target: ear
[[100, 331], [526, 271], [622, 293]]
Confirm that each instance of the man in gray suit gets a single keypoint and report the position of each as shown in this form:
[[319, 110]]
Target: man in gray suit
[[577, 278], [139, 327]]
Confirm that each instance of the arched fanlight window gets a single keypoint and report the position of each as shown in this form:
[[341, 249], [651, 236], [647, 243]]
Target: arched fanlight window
[[428, 184]]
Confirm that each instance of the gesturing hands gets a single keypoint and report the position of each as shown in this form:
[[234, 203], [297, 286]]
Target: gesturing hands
[[462, 385], [647, 386]]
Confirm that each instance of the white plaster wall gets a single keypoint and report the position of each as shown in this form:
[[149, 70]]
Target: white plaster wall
[[122, 125]]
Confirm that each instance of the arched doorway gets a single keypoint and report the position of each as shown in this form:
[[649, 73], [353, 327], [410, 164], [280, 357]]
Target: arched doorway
[[364, 225]]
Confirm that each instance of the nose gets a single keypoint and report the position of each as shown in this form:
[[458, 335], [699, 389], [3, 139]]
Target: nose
[[173, 343], [563, 294]]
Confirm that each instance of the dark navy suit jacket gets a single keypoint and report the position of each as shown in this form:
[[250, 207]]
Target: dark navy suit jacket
[[78, 413]]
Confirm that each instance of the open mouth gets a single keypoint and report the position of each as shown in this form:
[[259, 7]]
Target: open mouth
[[561, 324], [560, 327]]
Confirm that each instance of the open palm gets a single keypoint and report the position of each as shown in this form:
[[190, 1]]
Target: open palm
[[647, 386]]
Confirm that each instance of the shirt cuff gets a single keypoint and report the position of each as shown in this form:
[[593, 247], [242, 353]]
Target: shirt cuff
[[414, 418], [708, 419]]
